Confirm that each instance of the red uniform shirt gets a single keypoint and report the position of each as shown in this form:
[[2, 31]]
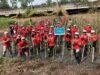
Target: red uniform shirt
[[68, 37], [59, 25], [88, 29], [76, 43], [23, 32], [22, 44], [29, 29], [46, 28], [93, 38], [50, 41], [84, 39], [36, 40], [8, 39], [15, 37], [74, 30]]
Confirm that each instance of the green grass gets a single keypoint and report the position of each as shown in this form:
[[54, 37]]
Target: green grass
[[4, 22]]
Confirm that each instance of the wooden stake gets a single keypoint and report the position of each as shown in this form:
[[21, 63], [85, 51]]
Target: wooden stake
[[83, 53]]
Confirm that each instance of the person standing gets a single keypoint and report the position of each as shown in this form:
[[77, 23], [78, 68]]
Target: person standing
[[50, 41], [76, 42], [6, 41]]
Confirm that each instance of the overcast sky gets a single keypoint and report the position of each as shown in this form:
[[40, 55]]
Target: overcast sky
[[36, 2]]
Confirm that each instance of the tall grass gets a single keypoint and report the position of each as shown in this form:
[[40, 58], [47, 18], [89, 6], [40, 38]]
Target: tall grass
[[4, 22]]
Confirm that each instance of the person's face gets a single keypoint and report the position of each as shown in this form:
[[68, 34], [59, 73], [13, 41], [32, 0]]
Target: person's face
[[76, 36], [23, 40], [6, 34], [84, 33]]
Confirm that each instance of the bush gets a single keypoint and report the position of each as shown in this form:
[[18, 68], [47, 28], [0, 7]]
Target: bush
[[34, 12], [4, 22]]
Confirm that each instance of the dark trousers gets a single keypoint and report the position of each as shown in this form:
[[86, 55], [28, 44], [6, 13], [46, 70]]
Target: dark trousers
[[51, 51], [68, 45], [77, 56]]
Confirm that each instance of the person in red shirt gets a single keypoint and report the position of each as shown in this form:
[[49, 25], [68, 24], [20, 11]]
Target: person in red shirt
[[23, 32], [58, 25], [84, 38], [6, 41], [94, 39], [23, 48], [50, 41], [68, 40], [76, 42], [36, 43], [88, 29], [74, 29]]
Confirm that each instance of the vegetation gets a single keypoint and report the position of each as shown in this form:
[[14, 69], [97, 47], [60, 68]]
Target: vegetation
[[4, 4], [4, 22]]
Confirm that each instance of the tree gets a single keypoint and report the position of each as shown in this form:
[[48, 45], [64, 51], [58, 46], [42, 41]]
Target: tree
[[49, 2], [63, 1], [14, 3], [23, 3], [30, 2], [4, 4]]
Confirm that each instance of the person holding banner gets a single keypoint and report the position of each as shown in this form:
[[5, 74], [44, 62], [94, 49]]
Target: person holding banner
[[68, 39], [76, 42]]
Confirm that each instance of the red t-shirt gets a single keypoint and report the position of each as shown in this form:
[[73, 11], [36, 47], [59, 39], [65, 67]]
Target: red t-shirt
[[76, 43], [50, 41], [93, 38], [74, 30], [36, 40], [22, 44], [15, 37], [23, 32], [59, 25], [84, 39], [6, 38], [88, 29], [29, 29], [46, 28], [68, 37]]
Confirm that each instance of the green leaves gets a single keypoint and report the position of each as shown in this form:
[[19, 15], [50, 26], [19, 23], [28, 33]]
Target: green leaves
[[4, 4]]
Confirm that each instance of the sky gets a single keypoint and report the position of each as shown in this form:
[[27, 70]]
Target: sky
[[36, 2]]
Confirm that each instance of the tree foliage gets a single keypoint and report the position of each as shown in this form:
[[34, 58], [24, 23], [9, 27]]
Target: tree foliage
[[49, 2], [14, 3], [4, 4], [63, 1]]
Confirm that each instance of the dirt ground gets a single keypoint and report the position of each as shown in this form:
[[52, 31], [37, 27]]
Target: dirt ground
[[49, 68]]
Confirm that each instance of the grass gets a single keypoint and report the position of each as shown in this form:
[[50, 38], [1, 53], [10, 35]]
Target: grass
[[4, 22]]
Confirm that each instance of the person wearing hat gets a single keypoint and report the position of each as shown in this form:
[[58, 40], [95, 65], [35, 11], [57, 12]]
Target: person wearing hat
[[6, 41], [84, 38], [23, 48], [50, 41], [74, 29], [36, 39], [68, 40], [94, 39], [88, 28], [76, 42]]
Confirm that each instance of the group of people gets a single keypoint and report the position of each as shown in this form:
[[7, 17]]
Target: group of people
[[34, 39]]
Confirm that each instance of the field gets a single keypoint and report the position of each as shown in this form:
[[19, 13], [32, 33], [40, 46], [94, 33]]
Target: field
[[56, 66]]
